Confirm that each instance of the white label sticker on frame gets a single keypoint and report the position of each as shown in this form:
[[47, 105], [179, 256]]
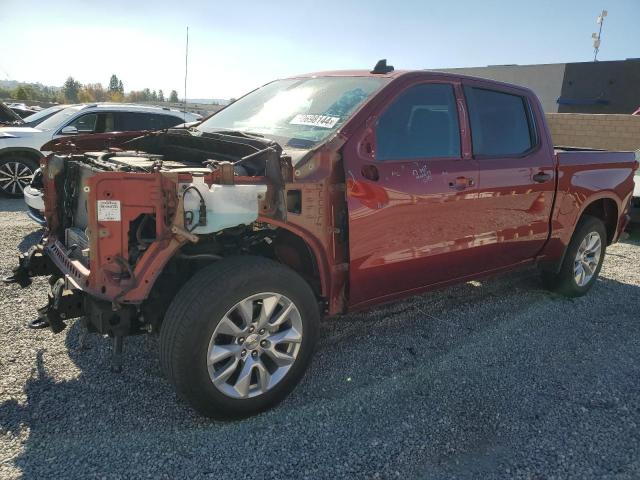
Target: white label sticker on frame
[[108, 210]]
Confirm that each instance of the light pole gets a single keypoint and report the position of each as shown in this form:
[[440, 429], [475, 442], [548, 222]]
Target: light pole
[[596, 36]]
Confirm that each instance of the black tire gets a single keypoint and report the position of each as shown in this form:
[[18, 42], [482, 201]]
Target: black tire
[[200, 306], [564, 281], [19, 164]]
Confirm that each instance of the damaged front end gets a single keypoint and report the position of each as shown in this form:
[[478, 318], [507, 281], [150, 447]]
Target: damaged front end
[[126, 228]]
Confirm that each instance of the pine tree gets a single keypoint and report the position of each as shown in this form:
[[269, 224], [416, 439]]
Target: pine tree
[[173, 98], [70, 90], [114, 84], [160, 96]]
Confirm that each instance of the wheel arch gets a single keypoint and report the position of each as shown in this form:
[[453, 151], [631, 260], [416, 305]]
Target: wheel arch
[[290, 246], [604, 206], [606, 209], [303, 253], [25, 151]]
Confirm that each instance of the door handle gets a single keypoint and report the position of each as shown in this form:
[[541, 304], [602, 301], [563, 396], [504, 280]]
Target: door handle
[[460, 183], [542, 177]]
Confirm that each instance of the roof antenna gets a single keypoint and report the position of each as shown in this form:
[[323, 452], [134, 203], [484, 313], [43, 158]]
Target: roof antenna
[[186, 64], [382, 67]]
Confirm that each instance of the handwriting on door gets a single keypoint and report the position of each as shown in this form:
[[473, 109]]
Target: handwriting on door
[[421, 172]]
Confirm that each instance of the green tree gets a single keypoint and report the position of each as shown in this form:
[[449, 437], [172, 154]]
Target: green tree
[[114, 84], [70, 90], [173, 98], [120, 87], [160, 96], [154, 96], [22, 93]]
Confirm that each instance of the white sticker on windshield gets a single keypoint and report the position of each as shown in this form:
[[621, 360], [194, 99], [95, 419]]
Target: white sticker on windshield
[[108, 210], [324, 121]]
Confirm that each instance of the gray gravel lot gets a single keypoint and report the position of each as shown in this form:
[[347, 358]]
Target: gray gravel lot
[[492, 379]]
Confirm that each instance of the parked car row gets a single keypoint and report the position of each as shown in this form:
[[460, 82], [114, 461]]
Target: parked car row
[[8, 116], [92, 126], [23, 110]]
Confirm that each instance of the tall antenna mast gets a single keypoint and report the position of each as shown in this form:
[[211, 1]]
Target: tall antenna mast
[[186, 65], [596, 36]]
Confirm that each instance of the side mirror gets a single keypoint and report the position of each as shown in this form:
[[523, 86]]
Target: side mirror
[[69, 131]]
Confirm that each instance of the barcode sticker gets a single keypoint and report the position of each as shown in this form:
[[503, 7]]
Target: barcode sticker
[[108, 210], [324, 121]]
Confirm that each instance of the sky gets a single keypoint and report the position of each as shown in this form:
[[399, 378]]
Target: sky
[[237, 46]]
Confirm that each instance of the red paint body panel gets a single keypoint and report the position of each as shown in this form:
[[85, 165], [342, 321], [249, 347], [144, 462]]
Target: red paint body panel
[[382, 230]]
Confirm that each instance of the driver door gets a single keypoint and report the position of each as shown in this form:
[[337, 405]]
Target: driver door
[[411, 189]]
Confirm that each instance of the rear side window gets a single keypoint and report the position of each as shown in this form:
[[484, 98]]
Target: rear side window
[[156, 121], [171, 121], [133, 121], [501, 123], [421, 123]]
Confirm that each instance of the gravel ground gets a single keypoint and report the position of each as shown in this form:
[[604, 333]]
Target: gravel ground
[[492, 379]]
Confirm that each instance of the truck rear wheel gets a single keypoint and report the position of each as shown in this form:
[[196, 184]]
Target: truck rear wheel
[[583, 259], [238, 336]]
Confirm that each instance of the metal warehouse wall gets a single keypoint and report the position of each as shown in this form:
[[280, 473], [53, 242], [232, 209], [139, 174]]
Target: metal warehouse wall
[[586, 87], [608, 132], [544, 80]]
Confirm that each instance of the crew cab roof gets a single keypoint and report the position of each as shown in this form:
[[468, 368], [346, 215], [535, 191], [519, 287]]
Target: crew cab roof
[[420, 74]]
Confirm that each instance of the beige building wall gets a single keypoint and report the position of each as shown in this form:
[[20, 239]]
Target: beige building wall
[[603, 131]]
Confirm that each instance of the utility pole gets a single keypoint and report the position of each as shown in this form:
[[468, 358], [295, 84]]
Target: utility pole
[[186, 64], [596, 36]]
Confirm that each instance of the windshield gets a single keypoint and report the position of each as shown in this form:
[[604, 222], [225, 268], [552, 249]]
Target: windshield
[[296, 112], [42, 114], [57, 119]]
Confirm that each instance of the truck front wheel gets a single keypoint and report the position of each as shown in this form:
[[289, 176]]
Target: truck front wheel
[[238, 336], [583, 259]]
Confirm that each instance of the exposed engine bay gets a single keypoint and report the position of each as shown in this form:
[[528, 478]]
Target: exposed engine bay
[[204, 168], [172, 191]]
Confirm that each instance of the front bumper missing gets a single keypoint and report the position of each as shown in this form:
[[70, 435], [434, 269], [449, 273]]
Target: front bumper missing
[[63, 304], [67, 300], [33, 263]]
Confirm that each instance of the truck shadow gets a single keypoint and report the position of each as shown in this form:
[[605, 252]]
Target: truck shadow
[[457, 368]]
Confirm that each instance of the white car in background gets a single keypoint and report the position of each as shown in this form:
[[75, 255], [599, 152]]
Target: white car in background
[[92, 124], [634, 211]]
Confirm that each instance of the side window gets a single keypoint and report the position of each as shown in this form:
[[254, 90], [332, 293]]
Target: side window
[[105, 123], [421, 123], [156, 121], [171, 121], [133, 121], [85, 123], [500, 122]]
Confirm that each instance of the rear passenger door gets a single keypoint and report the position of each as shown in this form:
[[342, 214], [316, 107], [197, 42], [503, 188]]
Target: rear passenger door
[[516, 184]]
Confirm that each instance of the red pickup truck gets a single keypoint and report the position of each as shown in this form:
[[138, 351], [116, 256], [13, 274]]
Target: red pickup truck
[[315, 195]]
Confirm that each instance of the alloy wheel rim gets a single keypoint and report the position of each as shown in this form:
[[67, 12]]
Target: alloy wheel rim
[[14, 177], [254, 345], [587, 259]]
